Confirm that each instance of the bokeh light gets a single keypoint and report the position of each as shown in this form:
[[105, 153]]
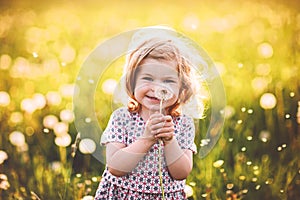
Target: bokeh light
[[63, 140], [218, 163], [28, 105], [188, 191], [67, 90], [268, 101], [39, 101], [264, 135], [67, 54], [4, 99], [3, 156], [16, 117], [265, 50], [87, 146], [50, 121], [66, 116], [17, 138], [88, 197], [5, 62], [229, 111], [53, 98], [4, 184], [60, 128], [109, 86]]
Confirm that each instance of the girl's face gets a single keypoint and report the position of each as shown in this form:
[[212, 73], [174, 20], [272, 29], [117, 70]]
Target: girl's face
[[151, 75]]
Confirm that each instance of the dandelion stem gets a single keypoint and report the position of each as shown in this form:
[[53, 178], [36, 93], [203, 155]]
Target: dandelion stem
[[160, 157], [160, 106]]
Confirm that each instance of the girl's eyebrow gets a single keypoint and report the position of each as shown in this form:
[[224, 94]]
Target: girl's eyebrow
[[146, 74], [171, 77]]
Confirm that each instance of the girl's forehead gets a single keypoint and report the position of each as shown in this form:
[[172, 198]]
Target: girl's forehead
[[158, 69], [158, 65], [158, 62]]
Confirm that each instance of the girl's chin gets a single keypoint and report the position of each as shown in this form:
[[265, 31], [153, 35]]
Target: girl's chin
[[153, 109]]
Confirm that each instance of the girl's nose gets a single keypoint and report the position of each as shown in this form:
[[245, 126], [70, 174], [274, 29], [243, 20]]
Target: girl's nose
[[152, 88]]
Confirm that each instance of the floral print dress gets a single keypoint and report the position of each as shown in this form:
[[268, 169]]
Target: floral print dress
[[143, 182]]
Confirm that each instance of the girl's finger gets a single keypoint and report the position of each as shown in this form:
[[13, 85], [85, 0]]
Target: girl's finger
[[155, 115], [164, 130], [165, 135], [168, 118], [157, 119], [158, 126]]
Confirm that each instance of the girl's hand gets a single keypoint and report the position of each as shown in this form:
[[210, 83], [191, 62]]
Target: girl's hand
[[166, 133], [154, 125]]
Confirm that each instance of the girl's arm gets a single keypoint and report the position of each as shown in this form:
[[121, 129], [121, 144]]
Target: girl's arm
[[122, 159], [179, 161]]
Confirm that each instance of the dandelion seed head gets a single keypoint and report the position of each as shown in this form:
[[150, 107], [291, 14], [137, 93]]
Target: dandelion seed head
[[163, 93]]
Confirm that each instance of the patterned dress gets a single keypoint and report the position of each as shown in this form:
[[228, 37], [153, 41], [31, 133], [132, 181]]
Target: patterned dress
[[143, 182]]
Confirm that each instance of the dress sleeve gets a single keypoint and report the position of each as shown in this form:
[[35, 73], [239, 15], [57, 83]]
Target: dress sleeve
[[115, 130], [187, 134]]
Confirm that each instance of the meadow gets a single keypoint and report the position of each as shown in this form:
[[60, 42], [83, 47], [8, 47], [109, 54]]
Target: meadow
[[255, 46]]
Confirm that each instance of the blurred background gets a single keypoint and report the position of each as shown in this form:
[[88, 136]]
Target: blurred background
[[255, 46]]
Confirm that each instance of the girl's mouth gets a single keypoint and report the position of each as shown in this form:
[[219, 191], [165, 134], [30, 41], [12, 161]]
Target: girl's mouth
[[153, 98]]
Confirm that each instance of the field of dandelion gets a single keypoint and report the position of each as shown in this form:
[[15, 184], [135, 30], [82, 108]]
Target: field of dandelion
[[255, 46]]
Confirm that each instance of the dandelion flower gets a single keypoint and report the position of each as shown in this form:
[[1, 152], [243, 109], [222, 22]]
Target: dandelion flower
[[163, 93]]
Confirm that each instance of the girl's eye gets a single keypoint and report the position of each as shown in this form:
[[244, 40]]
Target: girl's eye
[[147, 78], [169, 81]]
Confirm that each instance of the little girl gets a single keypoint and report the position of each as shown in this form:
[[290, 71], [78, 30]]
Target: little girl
[[150, 143]]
